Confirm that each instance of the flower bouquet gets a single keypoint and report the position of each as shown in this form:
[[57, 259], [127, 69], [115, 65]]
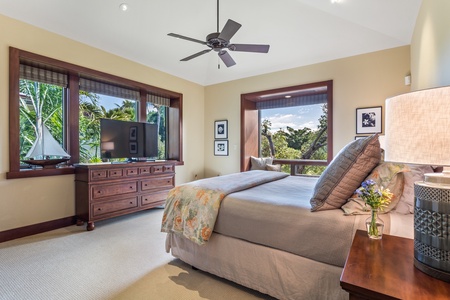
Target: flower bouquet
[[377, 198]]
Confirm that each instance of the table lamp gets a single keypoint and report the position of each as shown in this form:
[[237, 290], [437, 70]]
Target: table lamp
[[418, 132]]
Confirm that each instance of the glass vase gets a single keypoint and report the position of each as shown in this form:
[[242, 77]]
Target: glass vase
[[374, 225]]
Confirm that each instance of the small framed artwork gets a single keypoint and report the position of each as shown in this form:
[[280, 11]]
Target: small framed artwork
[[133, 148], [368, 120], [221, 148], [133, 133], [221, 129]]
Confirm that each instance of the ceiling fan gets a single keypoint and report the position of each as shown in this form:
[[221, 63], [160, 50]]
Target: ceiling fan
[[220, 42]]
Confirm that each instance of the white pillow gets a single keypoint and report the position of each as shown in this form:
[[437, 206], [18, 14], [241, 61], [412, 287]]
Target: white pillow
[[260, 163], [406, 204]]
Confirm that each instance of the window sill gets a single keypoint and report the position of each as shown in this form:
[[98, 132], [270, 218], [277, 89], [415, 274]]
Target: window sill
[[40, 172]]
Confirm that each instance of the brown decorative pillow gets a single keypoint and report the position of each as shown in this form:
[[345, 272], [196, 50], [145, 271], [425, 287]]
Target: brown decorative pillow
[[276, 168], [260, 163], [386, 175], [345, 173]]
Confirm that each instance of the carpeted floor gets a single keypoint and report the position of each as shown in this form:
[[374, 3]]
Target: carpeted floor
[[123, 258]]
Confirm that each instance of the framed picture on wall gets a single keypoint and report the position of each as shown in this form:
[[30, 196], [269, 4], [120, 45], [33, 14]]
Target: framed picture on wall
[[368, 120], [221, 129], [221, 148], [133, 133]]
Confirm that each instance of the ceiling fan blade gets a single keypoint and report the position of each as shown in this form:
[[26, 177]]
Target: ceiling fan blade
[[186, 38], [230, 28], [249, 48], [195, 55], [226, 58]]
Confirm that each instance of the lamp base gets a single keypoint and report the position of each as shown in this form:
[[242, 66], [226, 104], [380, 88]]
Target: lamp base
[[438, 274], [431, 229]]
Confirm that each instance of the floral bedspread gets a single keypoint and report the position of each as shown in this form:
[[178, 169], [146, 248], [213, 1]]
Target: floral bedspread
[[191, 209]]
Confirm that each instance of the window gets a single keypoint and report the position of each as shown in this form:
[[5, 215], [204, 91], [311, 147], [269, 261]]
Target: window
[[41, 111], [295, 132], [102, 100], [69, 101], [300, 150]]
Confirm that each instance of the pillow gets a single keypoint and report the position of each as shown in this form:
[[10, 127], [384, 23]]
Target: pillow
[[276, 168], [406, 203], [386, 175], [345, 173], [259, 163]]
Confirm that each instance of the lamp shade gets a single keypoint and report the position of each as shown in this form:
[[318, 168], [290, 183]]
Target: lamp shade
[[418, 127], [418, 132]]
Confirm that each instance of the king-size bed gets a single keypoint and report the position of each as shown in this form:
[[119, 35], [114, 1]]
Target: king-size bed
[[262, 230]]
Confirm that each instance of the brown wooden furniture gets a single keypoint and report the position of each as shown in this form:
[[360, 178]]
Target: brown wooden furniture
[[384, 269], [103, 191]]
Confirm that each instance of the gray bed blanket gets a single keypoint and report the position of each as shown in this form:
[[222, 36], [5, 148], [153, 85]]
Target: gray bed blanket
[[278, 214]]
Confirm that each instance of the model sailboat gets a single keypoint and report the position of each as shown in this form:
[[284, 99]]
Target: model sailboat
[[46, 151]]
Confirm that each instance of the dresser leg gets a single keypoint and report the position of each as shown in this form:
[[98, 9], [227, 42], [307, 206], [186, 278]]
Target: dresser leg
[[90, 226]]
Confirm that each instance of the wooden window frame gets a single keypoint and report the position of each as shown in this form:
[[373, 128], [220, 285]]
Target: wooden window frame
[[71, 111], [250, 127]]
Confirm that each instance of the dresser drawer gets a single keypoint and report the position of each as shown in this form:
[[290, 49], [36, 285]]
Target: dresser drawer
[[168, 168], [157, 183], [107, 190], [115, 173], [131, 172], [145, 170], [154, 197], [157, 169], [99, 209], [98, 174]]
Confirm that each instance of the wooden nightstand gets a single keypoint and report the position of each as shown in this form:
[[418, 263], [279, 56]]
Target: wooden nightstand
[[384, 269]]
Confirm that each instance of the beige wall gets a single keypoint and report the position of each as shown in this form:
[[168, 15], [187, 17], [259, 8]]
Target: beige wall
[[30, 201], [430, 46], [359, 81]]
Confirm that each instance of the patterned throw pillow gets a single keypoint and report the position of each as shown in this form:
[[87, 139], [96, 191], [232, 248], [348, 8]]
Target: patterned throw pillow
[[385, 175], [345, 173], [406, 204]]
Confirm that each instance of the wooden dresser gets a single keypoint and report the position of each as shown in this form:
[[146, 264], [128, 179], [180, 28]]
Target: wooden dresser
[[103, 191]]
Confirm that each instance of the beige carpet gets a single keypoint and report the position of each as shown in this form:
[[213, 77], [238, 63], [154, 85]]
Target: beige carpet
[[123, 258]]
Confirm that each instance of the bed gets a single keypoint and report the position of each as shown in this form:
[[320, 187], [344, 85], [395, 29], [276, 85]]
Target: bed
[[266, 233]]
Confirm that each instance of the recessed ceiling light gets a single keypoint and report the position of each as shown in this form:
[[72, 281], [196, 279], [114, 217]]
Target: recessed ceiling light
[[123, 7], [335, 1]]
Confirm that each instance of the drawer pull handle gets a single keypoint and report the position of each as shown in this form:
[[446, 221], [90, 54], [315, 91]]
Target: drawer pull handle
[[131, 202], [99, 209], [145, 184], [131, 186]]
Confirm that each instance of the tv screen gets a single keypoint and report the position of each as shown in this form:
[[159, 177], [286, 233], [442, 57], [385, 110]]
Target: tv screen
[[128, 139]]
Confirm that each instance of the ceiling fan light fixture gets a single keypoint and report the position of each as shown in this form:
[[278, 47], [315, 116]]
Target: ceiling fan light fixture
[[123, 6]]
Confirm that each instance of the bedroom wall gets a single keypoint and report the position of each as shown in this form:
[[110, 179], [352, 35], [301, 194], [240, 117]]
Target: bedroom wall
[[430, 46], [35, 200], [359, 81]]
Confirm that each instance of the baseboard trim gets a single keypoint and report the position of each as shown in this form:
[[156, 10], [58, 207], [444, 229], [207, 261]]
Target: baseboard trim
[[20, 232]]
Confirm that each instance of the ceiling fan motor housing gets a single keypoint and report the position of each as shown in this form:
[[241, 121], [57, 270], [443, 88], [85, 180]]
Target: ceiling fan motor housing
[[216, 43]]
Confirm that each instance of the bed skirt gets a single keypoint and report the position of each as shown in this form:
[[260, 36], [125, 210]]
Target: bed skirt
[[270, 271]]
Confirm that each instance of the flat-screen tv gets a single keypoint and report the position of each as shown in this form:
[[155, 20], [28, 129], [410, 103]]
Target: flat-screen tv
[[128, 139]]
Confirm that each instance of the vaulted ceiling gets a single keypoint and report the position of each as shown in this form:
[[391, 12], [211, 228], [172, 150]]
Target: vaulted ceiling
[[300, 32]]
